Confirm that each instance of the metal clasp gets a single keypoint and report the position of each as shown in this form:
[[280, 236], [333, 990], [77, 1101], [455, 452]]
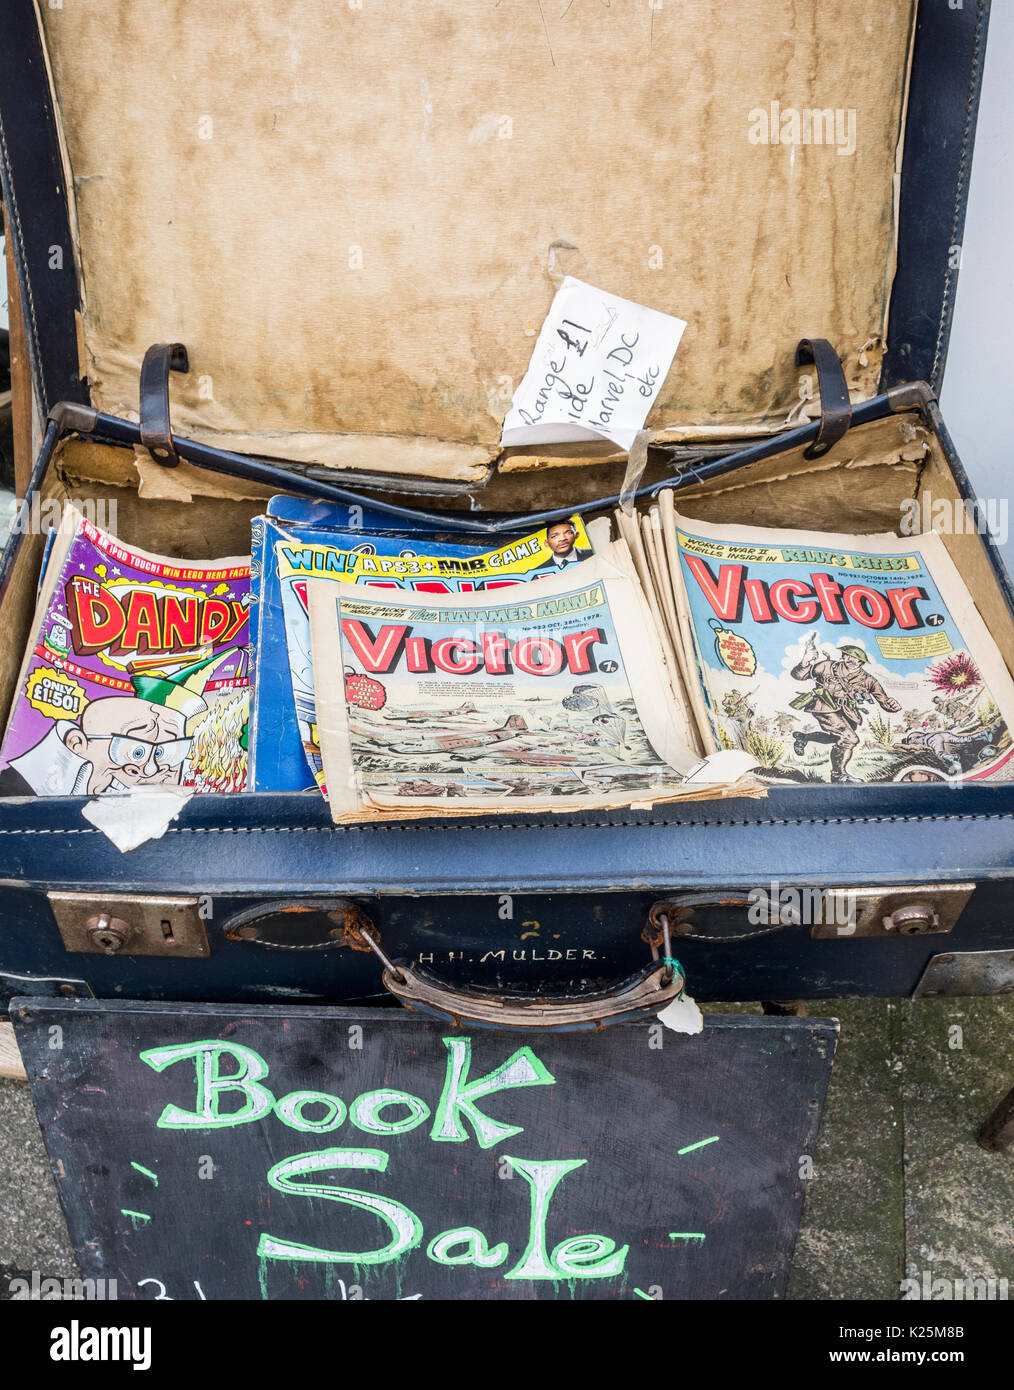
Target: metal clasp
[[130, 924]]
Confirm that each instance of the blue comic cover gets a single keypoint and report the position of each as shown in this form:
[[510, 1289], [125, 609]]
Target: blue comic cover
[[848, 659], [298, 540]]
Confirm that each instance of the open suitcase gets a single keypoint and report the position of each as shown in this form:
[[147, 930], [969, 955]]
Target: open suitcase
[[354, 220], [512, 904]]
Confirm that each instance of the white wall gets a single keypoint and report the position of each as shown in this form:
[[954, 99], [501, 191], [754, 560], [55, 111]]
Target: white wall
[[977, 397]]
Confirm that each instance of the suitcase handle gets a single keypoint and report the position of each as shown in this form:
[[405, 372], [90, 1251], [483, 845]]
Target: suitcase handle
[[640, 996], [835, 402], [155, 426]]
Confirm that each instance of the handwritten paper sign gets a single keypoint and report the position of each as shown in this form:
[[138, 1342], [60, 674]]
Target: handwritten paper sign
[[598, 365], [221, 1152]]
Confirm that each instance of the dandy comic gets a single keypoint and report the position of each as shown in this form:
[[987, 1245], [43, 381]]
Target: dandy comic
[[137, 673]]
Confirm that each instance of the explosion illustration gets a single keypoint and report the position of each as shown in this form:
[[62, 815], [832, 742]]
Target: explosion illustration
[[218, 760], [955, 674]]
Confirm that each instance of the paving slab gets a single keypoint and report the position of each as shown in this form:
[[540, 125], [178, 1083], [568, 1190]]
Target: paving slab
[[33, 1233], [958, 1062], [852, 1237]]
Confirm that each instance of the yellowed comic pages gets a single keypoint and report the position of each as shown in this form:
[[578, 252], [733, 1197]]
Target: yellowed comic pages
[[554, 699], [843, 658]]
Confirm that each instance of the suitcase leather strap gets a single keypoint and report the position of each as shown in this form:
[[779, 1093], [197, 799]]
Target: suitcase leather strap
[[835, 403], [156, 431]]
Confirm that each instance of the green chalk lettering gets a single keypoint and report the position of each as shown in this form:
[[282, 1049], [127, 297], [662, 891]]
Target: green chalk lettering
[[405, 1227], [580, 1257], [213, 1084], [542, 1179], [589, 1257], [290, 1111], [701, 1143], [477, 1250], [458, 1097], [145, 1171], [365, 1112]]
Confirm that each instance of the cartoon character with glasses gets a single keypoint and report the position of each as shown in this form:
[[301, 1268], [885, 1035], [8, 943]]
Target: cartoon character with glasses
[[120, 741]]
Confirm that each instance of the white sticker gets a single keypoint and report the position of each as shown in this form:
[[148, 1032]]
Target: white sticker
[[598, 366], [139, 815], [682, 1016]]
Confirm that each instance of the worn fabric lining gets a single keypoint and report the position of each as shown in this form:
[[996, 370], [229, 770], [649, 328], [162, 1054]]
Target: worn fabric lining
[[355, 217]]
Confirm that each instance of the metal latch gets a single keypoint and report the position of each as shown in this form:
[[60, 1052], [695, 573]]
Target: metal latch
[[956, 973], [909, 910], [130, 924]]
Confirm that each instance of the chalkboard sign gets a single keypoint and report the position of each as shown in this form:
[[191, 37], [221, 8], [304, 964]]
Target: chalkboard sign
[[207, 1152]]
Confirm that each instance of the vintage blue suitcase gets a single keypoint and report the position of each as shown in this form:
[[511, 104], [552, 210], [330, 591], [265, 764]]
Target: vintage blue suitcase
[[121, 123]]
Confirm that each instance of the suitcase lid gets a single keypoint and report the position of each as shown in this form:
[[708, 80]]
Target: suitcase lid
[[356, 216]]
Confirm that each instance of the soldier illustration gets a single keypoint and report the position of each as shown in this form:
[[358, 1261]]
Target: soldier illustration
[[735, 705], [957, 751], [737, 712], [840, 690], [957, 710]]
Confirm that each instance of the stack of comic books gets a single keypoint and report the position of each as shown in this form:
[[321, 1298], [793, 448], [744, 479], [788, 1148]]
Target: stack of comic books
[[405, 671], [297, 542], [829, 658], [408, 673], [808, 657], [553, 696]]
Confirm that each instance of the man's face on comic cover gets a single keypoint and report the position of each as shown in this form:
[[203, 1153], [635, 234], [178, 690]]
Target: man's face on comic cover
[[131, 740], [561, 538]]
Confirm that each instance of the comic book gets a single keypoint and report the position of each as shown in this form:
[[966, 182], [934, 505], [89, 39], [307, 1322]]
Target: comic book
[[359, 547], [284, 752], [840, 658], [137, 673], [557, 697]]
